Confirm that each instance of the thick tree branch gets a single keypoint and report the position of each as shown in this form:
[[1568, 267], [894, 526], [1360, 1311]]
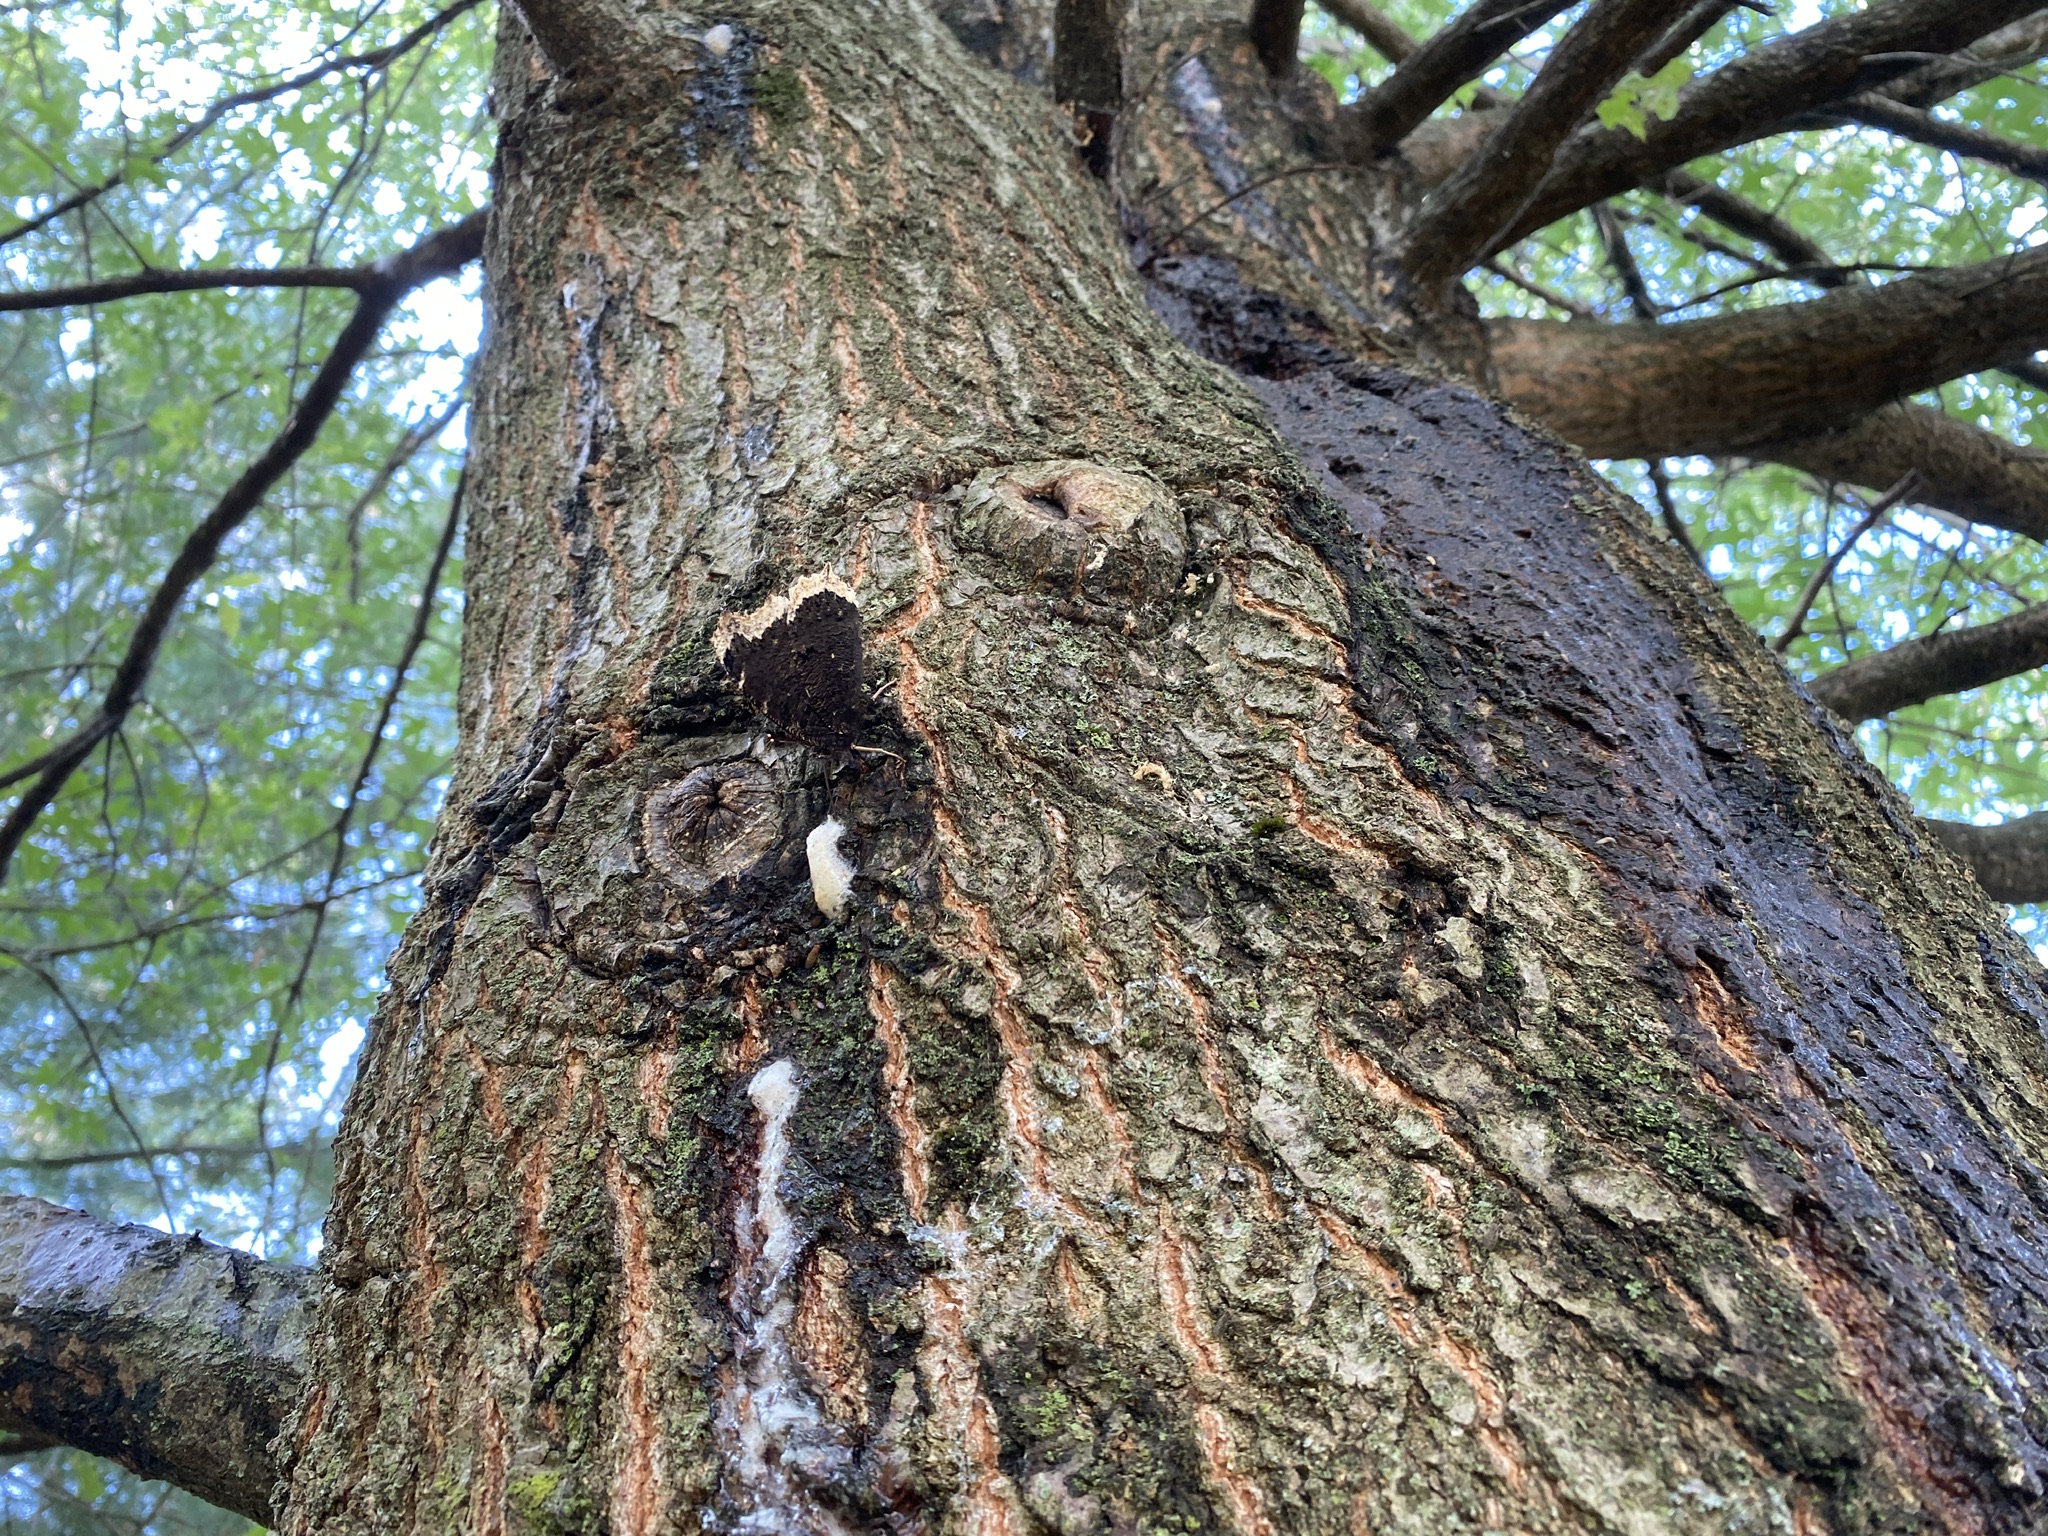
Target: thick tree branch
[[590, 41], [1964, 470], [171, 1355], [1375, 26], [376, 58], [1874, 111], [2010, 860], [1918, 670], [2029, 372], [1684, 32], [1730, 383], [1757, 95], [438, 255], [1462, 220], [1456, 54], [1276, 34]]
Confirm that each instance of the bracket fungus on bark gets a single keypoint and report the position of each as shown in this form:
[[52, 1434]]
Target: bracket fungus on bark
[[1079, 529]]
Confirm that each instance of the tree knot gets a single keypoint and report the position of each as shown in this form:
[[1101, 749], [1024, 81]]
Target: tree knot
[[1080, 529]]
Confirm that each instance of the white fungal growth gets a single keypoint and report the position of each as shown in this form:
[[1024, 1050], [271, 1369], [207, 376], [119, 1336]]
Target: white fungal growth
[[831, 872], [777, 1444], [718, 41]]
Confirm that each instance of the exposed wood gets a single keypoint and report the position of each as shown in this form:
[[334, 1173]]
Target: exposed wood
[[176, 1357], [1915, 671], [1354, 1005]]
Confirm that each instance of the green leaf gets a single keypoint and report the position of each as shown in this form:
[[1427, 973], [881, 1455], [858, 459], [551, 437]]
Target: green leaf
[[1638, 99]]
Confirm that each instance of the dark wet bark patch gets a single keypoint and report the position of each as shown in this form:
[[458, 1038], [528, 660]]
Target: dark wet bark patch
[[1507, 658]]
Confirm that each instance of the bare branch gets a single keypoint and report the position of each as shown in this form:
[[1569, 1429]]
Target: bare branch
[[171, 1355], [1667, 510], [1614, 239], [2010, 860], [1745, 218], [1536, 290], [1462, 221], [1918, 670], [1458, 53], [2028, 371], [195, 280], [1374, 25], [1872, 516], [1966, 471], [1684, 32], [376, 58], [1088, 69], [1757, 95], [438, 255], [198, 1150], [1874, 111], [2011, 47], [1732, 382]]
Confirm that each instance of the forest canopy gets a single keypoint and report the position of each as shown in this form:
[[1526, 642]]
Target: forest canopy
[[194, 927]]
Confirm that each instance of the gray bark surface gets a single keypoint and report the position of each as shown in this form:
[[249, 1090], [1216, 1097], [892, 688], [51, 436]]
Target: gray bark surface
[[174, 1356]]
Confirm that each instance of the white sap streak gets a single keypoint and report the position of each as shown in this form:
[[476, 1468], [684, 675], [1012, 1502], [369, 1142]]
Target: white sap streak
[[777, 1444]]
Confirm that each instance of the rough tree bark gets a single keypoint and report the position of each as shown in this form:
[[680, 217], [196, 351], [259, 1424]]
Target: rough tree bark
[[1368, 1003]]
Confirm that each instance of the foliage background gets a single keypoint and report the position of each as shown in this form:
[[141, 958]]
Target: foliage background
[[192, 941]]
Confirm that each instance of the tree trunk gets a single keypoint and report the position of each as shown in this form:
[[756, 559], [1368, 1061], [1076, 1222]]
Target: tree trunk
[[1366, 1003]]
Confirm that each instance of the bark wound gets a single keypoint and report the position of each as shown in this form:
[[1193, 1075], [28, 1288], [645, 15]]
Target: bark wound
[[1104, 539]]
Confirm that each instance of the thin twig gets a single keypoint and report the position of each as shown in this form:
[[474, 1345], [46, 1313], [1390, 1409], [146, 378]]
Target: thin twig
[[1252, 186], [408, 445], [96, 1159], [438, 255], [1535, 289], [423, 619], [1668, 510], [1906, 486], [99, 1065], [376, 58]]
